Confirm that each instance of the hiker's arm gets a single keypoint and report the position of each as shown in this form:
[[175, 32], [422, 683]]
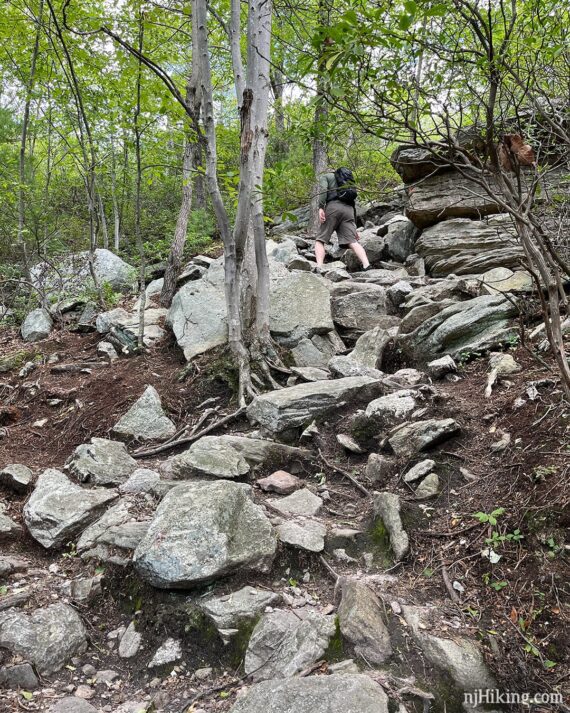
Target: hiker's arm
[[323, 193]]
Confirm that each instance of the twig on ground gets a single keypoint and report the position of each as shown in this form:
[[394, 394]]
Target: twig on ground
[[346, 474], [452, 593], [188, 439], [329, 569]]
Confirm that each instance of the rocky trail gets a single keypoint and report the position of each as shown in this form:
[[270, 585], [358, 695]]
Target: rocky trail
[[386, 532]]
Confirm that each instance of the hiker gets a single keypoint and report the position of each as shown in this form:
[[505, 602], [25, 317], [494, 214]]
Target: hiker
[[337, 211]]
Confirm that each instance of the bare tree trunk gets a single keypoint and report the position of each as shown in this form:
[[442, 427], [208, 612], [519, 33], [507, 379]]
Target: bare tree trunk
[[177, 249], [319, 124], [22, 156], [116, 214], [138, 235], [193, 101], [103, 220], [235, 44]]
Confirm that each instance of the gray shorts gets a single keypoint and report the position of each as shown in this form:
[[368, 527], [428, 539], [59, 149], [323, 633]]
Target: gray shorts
[[340, 218]]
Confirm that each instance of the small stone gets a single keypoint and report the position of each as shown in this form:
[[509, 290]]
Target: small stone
[[106, 677], [8, 528], [280, 482], [145, 420], [201, 674], [19, 676], [142, 480], [10, 565], [305, 535], [379, 468], [72, 704], [419, 470], [362, 622], [89, 669], [169, 653], [349, 443], [438, 368], [344, 667], [428, 488], [106, 349], [302, 502], [130, 642], [387, 507], [84, 692]]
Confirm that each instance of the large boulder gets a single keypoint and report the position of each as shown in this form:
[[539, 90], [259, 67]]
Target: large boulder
[[197, 314], [361, 311], [145, 420], [47, 638], [290, 318], [350, 693], [284, 643], [461, 329], [298, 405], [202, 531], [101, 462], [59, 509], [399, 238], [37, 325], [72, 275], [463, 247], [415, 162], [448, 195]]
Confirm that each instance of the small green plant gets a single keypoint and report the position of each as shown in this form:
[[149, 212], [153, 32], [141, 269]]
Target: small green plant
[[541, 472], [491, 518], [72, 552]]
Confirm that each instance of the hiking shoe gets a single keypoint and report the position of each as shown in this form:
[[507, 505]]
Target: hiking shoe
[[365, 269]]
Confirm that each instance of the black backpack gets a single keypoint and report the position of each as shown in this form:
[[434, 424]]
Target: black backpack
[[345, 191]]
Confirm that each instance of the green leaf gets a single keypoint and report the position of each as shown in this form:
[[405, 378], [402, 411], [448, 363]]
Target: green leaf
[[411, 6], [405, 22], [550, 664], [27, 695]]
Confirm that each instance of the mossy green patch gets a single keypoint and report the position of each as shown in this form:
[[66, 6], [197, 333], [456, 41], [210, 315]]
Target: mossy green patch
[[335, 649], [15, 360]]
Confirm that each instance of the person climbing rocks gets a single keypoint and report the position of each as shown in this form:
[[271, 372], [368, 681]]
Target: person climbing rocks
[[337, 212]]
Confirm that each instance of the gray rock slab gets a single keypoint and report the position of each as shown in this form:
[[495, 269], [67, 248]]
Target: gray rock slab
[[202, 531], [428, 488], [387, 507], [118, 527], [19, 676], [37, 325], [412, 438], [101, 462], [209, 456], [438, 368], [72, 704], [141, 480], [356, 693], [392, 408], [342, 366], [462, 328], [168, 653], [283, 644], [469, 247], [360, 311], [297, 406], [459, 656], [302, 502], [48, 637], [229, 611], [145, 420], [8, 528], [369, 347], [447, 195], [303, 535], [130, 642], [58, 509], [420, 470], [361, 621], [310, 373]]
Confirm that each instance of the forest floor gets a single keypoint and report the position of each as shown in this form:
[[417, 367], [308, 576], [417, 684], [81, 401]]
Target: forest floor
[[518, 607]]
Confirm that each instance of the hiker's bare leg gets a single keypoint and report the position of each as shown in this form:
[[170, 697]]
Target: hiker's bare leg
[[320, 253], [360, 253]]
